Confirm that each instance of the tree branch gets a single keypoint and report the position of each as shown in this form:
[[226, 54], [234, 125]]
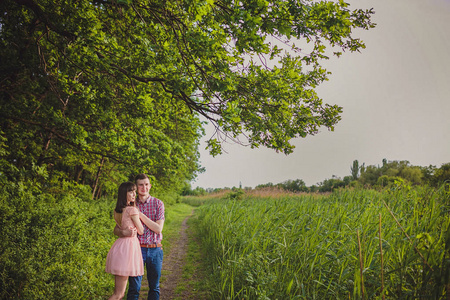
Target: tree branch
[[44, 18], [63, 138], [138, 78]]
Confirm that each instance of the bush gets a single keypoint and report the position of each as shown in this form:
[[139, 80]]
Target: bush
[[54, 245], [235, 194]]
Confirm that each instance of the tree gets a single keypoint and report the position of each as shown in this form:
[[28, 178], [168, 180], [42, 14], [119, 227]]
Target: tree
[[328, 185], [413, 174], [88, 88], [428, 174], [392, 170], [297, 185], [347, 180], [265, 185], [442, 175], [370, 175], [355, 169]]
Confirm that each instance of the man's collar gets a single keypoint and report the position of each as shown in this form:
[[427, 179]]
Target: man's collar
[[144, 201]]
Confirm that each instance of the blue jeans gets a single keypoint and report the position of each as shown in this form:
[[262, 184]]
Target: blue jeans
[[153, 258]]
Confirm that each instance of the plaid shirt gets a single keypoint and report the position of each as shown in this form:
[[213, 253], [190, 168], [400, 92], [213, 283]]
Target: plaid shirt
[[154, 209]]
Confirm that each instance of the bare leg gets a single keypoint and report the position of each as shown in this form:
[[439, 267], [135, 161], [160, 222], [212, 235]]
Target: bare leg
[[119, 288]]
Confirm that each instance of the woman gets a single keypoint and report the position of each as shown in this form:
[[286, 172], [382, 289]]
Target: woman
[[125, 258]]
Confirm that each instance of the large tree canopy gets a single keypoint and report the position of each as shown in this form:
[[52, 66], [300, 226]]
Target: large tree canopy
[[91, 86]]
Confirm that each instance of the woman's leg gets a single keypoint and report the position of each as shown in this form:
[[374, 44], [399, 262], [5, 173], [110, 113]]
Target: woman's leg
[[119, 287]]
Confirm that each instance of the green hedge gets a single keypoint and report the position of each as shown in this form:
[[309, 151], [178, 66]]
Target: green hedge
[[53, 244]]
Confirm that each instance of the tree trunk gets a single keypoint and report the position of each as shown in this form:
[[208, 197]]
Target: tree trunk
[[44, 148], [94, 188]]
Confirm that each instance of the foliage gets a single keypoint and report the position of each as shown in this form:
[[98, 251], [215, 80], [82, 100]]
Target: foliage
[[100, 90], [68, 104], [441, 175], [355, 169], [264, 185], [297, 185], [329, 185], [380, 175], [169, 197], [54, 245], [235, 194], [188, 191], [307, 248], [390, 175]]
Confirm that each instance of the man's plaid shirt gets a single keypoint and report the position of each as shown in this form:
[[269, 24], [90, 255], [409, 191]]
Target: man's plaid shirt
[[154, 209]]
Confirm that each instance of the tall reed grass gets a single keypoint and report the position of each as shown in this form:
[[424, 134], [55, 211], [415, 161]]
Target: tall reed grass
[[310, 247]]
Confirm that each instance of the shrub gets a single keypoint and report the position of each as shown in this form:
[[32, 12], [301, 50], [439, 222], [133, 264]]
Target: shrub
[[54, 245]]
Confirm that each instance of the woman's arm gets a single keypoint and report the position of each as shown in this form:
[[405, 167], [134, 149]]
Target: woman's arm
[[156, 227], [138, 223]]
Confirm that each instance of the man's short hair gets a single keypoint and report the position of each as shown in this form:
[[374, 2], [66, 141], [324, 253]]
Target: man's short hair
[[140, 177]]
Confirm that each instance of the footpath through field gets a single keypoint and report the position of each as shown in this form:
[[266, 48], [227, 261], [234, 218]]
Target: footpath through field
[[176, 241]]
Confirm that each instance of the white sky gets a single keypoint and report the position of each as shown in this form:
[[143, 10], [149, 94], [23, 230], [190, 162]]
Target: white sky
[[396, 100]]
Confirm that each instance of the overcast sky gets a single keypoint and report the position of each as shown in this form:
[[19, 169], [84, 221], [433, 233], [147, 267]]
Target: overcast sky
[[396, 100]]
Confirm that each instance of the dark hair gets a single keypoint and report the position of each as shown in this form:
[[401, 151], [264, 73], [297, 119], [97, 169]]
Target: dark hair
[[140, 177], [124, 188]]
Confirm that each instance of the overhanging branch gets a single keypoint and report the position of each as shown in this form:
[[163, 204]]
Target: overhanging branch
[[45, 18], [63, 138]]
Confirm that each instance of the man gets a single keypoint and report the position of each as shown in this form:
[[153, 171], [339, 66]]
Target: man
[[152, 216]]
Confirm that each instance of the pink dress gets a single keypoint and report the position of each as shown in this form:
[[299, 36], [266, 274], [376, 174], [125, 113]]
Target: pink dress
[[125, 256]]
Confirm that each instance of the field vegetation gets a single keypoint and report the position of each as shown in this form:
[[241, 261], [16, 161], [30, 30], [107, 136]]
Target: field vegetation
[[350, 244]]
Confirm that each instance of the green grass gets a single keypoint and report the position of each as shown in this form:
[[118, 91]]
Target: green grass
[[175, 215], [328, 247]]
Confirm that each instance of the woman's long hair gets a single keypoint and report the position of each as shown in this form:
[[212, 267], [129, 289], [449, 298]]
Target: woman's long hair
[[124, 188]]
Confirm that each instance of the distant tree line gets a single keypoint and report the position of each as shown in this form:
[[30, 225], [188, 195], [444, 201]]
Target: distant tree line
[[390, 173]]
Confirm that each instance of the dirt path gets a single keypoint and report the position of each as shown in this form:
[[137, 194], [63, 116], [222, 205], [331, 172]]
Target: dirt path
[[173, 268], [173, 263]]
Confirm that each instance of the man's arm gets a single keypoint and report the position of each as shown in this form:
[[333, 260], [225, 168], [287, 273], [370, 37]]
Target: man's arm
[[123, 232], [156, 227]]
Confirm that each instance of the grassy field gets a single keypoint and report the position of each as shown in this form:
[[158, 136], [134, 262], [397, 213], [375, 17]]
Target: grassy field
[[351, 244]]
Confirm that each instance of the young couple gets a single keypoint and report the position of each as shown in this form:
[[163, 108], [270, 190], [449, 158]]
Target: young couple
[[130, 251]]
